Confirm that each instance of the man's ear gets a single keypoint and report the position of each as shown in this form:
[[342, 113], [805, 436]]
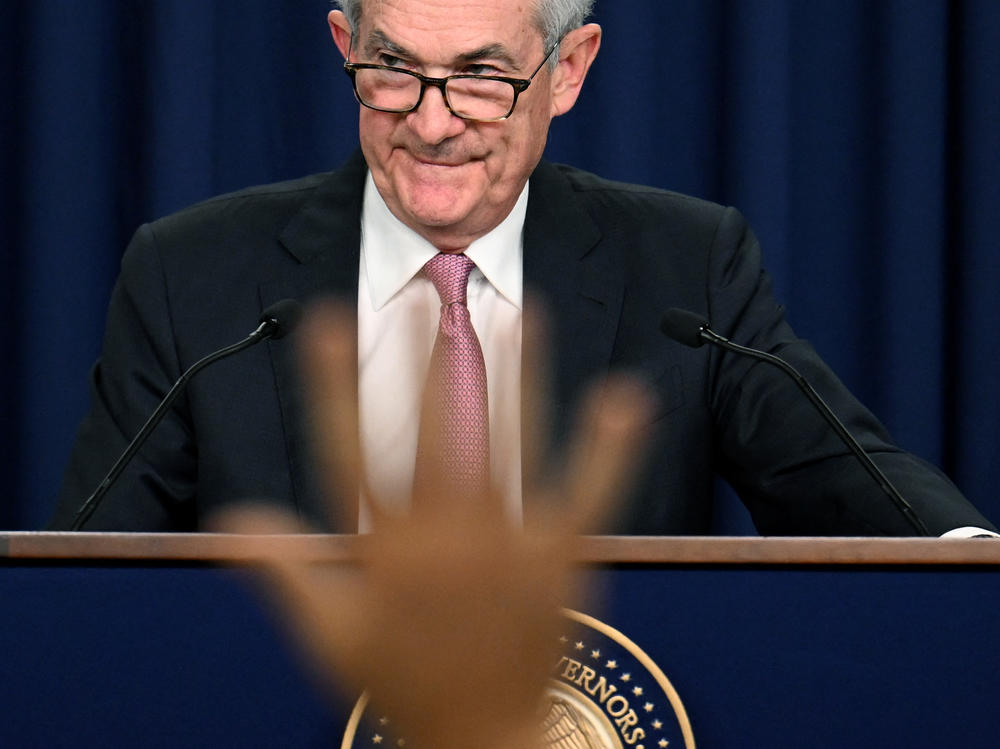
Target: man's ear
[[341, 31], [576, 53]]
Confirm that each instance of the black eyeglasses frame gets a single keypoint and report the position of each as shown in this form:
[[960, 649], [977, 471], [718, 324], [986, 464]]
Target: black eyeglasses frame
[[518, 84]]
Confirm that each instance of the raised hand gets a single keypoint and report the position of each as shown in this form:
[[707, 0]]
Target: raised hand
[[450, 616]]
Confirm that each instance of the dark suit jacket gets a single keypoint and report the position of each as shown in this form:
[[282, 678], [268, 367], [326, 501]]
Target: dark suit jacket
[[607, 258]]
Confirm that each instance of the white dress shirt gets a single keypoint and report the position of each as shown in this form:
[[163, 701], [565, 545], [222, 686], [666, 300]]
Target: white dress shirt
[[398, 313]]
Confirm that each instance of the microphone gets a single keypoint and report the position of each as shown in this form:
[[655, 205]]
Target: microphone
[[276, 322], [692, 330]]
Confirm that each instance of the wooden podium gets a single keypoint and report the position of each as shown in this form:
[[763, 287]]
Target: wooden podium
[[161, 640]]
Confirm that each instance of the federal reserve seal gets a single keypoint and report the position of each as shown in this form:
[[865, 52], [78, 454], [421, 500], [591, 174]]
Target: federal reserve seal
[[604, 692]]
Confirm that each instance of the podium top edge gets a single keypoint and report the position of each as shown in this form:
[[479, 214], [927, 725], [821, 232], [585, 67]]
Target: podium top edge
[[28, 546]]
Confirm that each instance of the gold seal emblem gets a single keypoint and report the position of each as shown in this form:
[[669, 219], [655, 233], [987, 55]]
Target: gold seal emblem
[[604, 692]]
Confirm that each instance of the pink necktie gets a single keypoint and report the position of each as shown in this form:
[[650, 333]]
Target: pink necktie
[[456, 401]]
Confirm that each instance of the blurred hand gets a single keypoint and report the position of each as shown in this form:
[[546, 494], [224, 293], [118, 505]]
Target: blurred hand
[[450, 617]]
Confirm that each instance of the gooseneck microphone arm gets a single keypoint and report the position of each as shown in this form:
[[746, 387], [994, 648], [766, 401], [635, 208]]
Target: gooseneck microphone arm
[[692, 330], [276, 321]]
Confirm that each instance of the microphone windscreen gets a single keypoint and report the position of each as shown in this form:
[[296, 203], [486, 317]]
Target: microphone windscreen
[[683, 326], [284, 316]]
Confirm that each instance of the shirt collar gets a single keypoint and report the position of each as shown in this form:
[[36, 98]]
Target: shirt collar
[[392, 253]]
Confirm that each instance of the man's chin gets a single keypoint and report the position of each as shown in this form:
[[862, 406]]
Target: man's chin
[[438, 220], [442, 206], [443, 210]]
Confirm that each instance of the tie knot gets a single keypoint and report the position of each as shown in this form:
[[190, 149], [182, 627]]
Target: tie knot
[[450, 275]]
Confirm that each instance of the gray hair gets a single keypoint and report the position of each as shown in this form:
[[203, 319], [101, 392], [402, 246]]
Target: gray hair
[[553, 18]]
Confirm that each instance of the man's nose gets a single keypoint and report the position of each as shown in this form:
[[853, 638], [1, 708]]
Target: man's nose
[[432, 121]]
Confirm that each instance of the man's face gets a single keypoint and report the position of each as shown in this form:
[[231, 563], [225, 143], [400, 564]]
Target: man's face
[[453, 180]]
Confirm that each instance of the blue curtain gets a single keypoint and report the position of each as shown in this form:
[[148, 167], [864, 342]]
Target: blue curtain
[[859, 137]]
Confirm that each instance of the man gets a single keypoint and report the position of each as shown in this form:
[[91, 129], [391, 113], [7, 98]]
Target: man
[[456, 102]]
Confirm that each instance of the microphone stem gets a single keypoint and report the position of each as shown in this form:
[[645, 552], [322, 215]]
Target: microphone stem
[[807, 389], [265, 330]]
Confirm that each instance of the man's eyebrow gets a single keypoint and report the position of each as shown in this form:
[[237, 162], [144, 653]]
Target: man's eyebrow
[[496, 52], [377, 39]]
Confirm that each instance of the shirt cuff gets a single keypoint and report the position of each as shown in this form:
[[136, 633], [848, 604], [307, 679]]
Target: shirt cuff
[[969, 531]]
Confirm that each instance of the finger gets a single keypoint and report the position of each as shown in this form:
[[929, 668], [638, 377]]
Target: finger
[[429, 480], [255, 519], [330, 368], [320, 604], [605, 451], [535, 380]]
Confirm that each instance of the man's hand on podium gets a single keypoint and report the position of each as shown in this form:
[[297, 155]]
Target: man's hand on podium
[[450, 619]]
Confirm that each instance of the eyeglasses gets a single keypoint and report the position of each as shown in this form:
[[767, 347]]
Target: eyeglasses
[[481, 98]]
